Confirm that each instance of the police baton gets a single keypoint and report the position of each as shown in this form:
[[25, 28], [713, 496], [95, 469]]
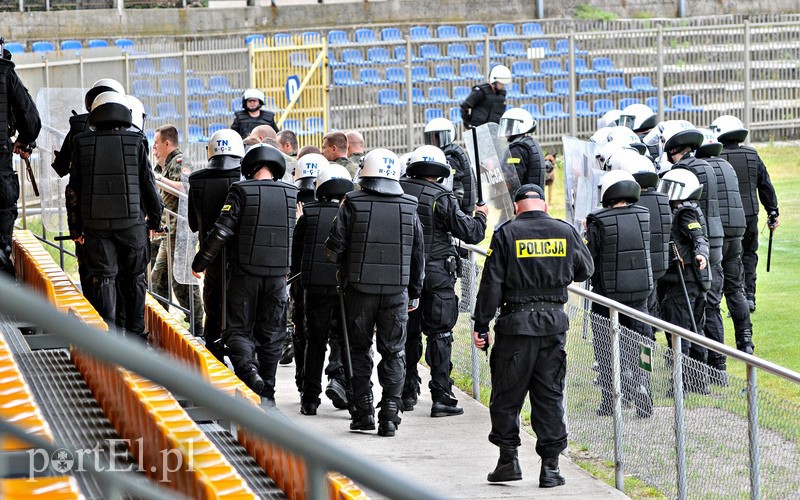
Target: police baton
[[31, 177], [292, 279], [223, 317], [682, 266], [348, 365], [771, 225], [478, 181]]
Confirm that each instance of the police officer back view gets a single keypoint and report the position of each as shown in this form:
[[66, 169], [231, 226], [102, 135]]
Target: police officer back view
[[111, 189], [487, 101], [441, 217], [531, 261], [245, 120], [208, 189], [754, 185], [524, 152], [377, 240], [258, 218], [440, 132]]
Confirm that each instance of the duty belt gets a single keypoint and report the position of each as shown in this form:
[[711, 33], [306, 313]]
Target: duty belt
[[531, 307]]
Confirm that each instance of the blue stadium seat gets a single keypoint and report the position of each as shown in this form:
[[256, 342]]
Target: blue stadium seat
[[591, 86], [455, 115], [514, 48], [603, 106], [513, 91], [314, 125], [554, 110], [446, 32], [430, 52], [532, 29], [194, 86], [551, 67], [460, 93], [257, 40], [562, 47], [504, 29], [417, 96], [395, 75], [166, 111], [476, 31], [470, 71], [617, 84], [168, 86], [400, 54], [642, 84], [438, 95], [582, 109], [365, 35], [144, 67], [445, 72], [337, 37], [561, 87], [370, 76], [236, 104], [533, 109], [604, 65], [219, 84], [97, 44], [492, 51], [124, 44], [543, 45], [523, 69], [537, 88], [420, 33], [311, 37], [624, 103], [15, 47], [196, 133], [143, 88], [215, 127], [333, 61], [683, 102], [431, 113], [282, 39], [42, 47], [343, 78], [389, 97], [420, 74], [170, 66], [299, 59], [217, 107], [652, 103], [196, 110], [71, 45], [459, 51], [379, 55], [391, 35], [580, 67], [353, 56]]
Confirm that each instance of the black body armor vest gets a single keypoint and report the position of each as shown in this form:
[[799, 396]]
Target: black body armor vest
[[315, 268], [660, 225], [464, 174], [709, 204], [534, 169], [208, 189], [491, 108], [5, 108], [744, 161], [686, 247], [77, 124], [731, 211], [246, 123], [438, 244]]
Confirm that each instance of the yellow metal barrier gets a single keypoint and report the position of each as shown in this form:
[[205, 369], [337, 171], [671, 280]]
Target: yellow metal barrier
[[50, 488]]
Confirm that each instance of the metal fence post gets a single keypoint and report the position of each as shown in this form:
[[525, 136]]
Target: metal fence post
[[22, 5], [616, 373], [680, 429], [185, 83], [748, 97], [573, 116], [409, 96], [660, 73], [752, 431], [476, 373]]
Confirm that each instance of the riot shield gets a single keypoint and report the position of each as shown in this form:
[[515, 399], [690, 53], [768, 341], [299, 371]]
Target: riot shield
[[498, 178], [186, 242], [55, 107], [581, 177]]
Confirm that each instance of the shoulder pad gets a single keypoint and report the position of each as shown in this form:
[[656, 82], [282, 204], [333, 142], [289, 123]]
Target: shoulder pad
[[497, 227]]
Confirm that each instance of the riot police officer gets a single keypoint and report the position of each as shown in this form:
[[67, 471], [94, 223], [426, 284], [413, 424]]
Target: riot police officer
[[440, 132], [318, 276], [754, 186], [618, 237], [18, 115], [487, 101], [727, 278], [531, 261], [441, 219], [258, 219], [245, 120], [639, 118], [208, 189], [525, 155], [377, 240], [107, 214]]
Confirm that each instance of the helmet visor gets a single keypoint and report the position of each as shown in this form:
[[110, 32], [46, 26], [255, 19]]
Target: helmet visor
[[438, 138], [673, 189], [626, 121], [510, 127]]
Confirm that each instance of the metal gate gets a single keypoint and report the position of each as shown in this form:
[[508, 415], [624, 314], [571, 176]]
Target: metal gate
[[293, 73]]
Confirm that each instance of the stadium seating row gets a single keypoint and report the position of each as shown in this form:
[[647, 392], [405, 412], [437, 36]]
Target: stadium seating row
[[41, 47], [217, 84]]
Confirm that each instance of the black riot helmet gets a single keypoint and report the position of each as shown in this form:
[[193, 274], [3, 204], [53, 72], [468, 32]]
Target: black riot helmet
[[263, 155]]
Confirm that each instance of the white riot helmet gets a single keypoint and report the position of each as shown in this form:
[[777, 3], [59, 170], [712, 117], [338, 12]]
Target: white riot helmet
[[729, 129], [610, 149], [404, 163], [428, 161], [609, 119], [307, 170], [600, 137], [253, 94], [626, 136], [638, 117], [100, 86], [680, 184], [110, 110], [618, 185], [137, 112], [710, 147], [439, 132], [333, 182], [500, 74], [641, 167], [677, 135], [380, 172], [514, 122], [225, 142]]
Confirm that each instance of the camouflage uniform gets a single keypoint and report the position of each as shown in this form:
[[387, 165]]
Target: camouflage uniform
[[349, 165], [356, 157], [158, 276]]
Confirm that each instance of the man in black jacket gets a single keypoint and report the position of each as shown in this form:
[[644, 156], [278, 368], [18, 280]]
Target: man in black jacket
[[487, 101], [252, 115]]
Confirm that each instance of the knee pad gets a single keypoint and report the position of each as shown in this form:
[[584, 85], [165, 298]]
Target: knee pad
[[397, 354]]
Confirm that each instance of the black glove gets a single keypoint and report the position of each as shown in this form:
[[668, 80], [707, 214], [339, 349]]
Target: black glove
[[485, 337], [772, 219]]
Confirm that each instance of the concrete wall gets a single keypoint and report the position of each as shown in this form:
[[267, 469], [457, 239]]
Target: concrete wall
[[133, 22]]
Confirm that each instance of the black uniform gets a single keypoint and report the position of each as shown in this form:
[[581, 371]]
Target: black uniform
[[377, 239], [208, 189], [660, 225], [526, 157], [258, 219], [708, 203], [483, 105], [463, 177], [111, 189], [619, 241], [18, 115], [531, 261], [754, 185], [244, 123], [441, 217]]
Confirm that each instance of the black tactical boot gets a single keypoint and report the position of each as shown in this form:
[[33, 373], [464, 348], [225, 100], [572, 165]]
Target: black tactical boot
[[445, 406], [550, 475], [309, 407], [718, 375], [363, 413], [249, 375], [507, 469], [337, 393], [388, 420], [606, 407], [410, 393], [697, 378], [287, 354], [744, 341]]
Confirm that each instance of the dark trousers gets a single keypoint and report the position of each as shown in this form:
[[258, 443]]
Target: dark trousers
[[525, 365], [677, 311], [387, 315], [256, 324], [213, 285], [733, 289], [713, 324], [9, 193], [116, 262], [436, 317], [322, 326], [298, 315], [750, 256]]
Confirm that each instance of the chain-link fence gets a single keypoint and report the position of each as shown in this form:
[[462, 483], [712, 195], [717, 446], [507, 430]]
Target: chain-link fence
[[713, 419]]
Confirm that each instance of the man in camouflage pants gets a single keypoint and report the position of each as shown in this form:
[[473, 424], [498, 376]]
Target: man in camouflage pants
[[168, 171]]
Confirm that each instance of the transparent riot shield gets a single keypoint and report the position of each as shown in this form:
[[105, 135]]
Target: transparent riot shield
[[581, 177], [55, 107], [498, 179], [186, 242]]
